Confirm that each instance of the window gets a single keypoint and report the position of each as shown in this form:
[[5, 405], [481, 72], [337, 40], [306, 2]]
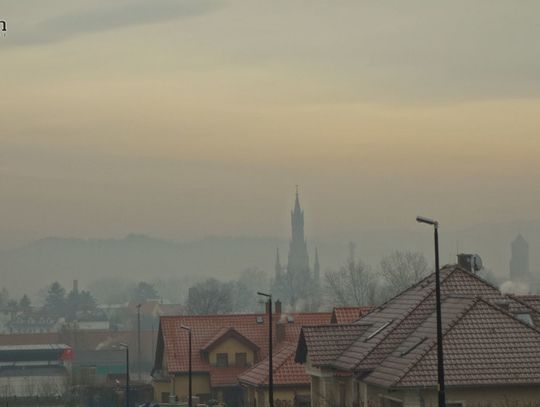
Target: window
[[378, 330], [222, 360], [241, 359], [165, 396]]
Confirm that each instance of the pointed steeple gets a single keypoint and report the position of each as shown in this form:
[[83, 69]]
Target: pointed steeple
[[297, 221]]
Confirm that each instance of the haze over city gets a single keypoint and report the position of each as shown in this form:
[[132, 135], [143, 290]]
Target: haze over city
[[214, 203]]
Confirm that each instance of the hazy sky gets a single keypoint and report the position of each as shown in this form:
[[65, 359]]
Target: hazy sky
[[190, 118]]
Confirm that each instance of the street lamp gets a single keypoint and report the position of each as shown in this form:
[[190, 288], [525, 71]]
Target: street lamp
[[126, 347], [187, 328], [139, 342], [440, 360], [270, 369]]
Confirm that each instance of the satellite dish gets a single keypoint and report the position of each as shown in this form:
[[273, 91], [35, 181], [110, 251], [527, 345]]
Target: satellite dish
[[477, 264]]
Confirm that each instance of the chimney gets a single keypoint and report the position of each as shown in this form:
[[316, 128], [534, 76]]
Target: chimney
[[266, 307], [277, 308], [280, 330], [470, 262]]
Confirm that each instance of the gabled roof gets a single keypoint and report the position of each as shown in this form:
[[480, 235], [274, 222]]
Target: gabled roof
[[326, 342], [483, 345], [347, 315], [208, 330], [286, 371], [402, 314], [226, 333], [395, 348]]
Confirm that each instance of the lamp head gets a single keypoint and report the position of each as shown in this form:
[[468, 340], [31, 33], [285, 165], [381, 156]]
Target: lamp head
[[264, 294], [423, 219], [187, 328]]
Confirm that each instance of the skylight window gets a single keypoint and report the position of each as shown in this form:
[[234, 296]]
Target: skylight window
[[378, 330], [260, 319], [413, 347]]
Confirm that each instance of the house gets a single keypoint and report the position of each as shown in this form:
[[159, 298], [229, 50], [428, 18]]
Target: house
[[290, 381], [224, 347], [388, 357]]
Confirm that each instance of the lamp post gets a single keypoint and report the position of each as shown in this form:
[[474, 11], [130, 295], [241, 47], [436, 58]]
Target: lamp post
[[139, 342], [126, 347], [270, 369], [440, 359], [190, 395]]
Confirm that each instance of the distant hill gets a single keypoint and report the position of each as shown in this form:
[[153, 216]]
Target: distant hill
[[139, 257]]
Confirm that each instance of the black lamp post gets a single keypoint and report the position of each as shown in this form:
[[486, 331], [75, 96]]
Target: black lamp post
[[139, 342], [270, 369], [126, 347], [440, 359], [190, 395]]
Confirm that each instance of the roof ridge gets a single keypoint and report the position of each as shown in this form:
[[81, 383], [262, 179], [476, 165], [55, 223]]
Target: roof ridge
[[335, 325], [448, 328], [503, 311], [400, 321]]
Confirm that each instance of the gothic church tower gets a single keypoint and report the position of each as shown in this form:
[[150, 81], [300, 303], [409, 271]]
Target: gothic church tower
[[298, 264]]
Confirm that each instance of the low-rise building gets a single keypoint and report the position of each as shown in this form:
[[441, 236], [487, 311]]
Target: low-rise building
[[224, 347], [388, 357], [30, 371]]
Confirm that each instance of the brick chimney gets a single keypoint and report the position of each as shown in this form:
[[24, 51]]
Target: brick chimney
[[277, 308], [281, 325]]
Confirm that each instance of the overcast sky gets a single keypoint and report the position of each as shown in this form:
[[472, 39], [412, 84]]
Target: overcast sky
[[190, 118]]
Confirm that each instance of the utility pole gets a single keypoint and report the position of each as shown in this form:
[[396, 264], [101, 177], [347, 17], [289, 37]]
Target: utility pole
[[270, 353]]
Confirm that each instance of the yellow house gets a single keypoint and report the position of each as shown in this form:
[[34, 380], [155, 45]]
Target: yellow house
[[223, 347], [388, 358]]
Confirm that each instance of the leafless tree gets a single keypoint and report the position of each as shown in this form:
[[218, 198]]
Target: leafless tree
[[402, 269], [210, 297], [354, 284]]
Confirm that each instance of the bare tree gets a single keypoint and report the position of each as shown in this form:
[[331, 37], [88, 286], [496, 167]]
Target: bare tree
[[354, 284], [210, 297], [400, 270]]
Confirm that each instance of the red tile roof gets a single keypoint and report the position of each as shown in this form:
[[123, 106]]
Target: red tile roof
[[396, 348], [286, 370], [347, 315], [326, 342], [483, 345], [173, 341]]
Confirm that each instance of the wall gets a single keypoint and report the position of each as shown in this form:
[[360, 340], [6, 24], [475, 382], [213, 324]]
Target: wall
[[511, 396], [180, 387], [231, 346], [281, 394], [29, 386]]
